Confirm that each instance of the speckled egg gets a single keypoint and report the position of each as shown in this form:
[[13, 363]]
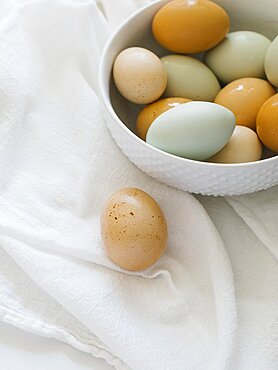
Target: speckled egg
[[241, 54], [244, 98], [190, 26], [134, 229], [152, 111], [139, 75]]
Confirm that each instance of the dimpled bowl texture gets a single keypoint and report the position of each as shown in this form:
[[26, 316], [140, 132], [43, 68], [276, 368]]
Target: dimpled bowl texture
[[120, 115]]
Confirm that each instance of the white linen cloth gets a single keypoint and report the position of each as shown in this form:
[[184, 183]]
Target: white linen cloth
[[210, 303]]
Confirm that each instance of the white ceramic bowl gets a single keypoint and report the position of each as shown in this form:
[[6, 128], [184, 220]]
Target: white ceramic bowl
[[120, 115]]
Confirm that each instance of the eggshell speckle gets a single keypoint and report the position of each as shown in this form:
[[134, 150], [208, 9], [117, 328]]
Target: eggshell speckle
[[139, 75], [152, 111], [190, 26], [134, 229], [244, 146], [244, 98]]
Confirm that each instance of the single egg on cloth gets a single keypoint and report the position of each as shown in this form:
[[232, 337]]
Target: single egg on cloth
[[271, 67], [139, 75], [189, 78], [267, 123], [195, 130], [244, 146], [241, 54], [190, 26], [134, 229], [152, 111], [244, 98]]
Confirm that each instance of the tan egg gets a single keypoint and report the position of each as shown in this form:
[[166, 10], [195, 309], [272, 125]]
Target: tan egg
[[134, 229], [244, 98], [190, 26], [152, 111], [139, 75], [244, 146]]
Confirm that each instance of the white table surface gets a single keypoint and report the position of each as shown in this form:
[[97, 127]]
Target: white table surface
[[24, 351]]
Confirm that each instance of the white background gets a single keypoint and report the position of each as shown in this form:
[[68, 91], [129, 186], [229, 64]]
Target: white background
[[20, 350]]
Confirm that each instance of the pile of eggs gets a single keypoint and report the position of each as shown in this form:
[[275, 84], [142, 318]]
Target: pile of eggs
[[223, 109]]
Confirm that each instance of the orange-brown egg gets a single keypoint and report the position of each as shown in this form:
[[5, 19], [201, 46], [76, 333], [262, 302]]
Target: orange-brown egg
[[190, 26], [267, 123], [244, 98], [134, 229], [152, 111]]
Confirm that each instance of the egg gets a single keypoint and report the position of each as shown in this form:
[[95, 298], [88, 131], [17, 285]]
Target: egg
[[152, 111], [134, 229], [241, 54], [139, 75], [189, 78], [243, 146], [244, 98], [195, 130], [267, 123], [271, 58], [190, 26]]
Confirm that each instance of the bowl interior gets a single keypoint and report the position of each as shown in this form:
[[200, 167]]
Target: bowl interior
[[256, 15]]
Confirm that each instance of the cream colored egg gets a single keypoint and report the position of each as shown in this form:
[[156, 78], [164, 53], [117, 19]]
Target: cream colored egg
[[244, 146], [134, 229], [241, 54], [271, 66], [139, 75], [189, 78]]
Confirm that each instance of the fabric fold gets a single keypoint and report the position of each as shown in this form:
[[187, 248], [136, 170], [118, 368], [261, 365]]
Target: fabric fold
[[59, 164]]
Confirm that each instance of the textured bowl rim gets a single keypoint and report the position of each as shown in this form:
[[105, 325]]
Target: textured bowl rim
[[102, 81]]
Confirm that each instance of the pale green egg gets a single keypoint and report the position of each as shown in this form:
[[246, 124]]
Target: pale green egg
[[271, 65], [241, 54], [189, 78], [196, 130]]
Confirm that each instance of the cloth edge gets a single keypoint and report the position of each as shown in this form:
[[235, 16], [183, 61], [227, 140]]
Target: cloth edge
[[34, 326]]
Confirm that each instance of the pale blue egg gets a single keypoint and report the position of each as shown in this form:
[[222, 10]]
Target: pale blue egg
[[196, 130]]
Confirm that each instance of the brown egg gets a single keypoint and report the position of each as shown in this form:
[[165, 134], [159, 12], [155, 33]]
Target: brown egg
[[139, 75], [244, 98], [134, 229], [190, 26], [267, 123], [244, 146], [152, 111]]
